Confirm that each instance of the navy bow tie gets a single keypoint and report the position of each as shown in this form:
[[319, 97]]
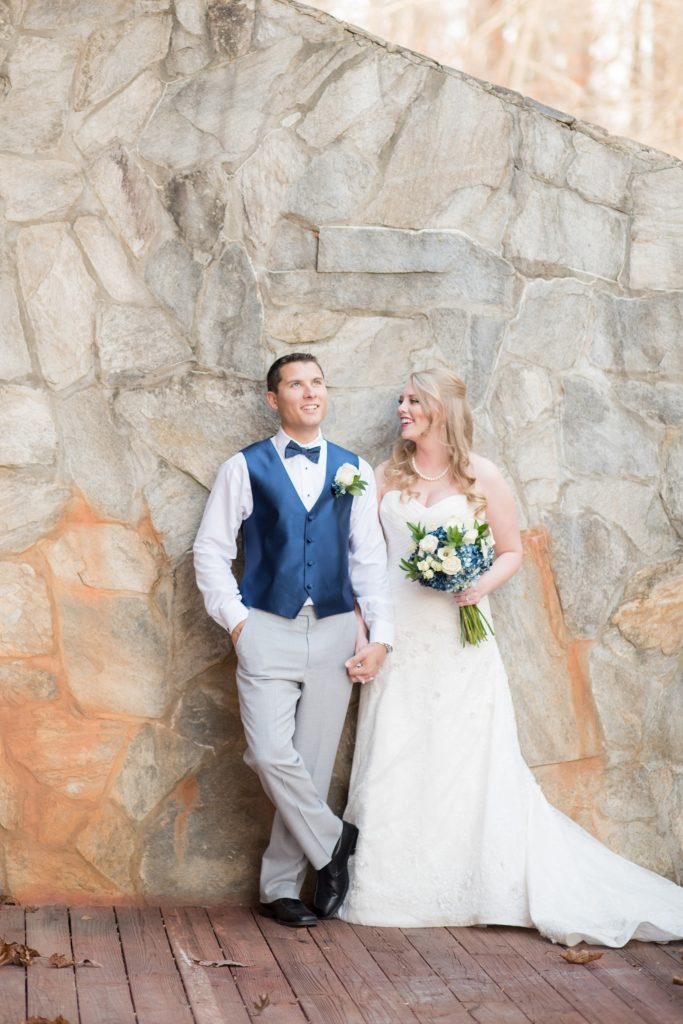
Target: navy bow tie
[[293, 449]]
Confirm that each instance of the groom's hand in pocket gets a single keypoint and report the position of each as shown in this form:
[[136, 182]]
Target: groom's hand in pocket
[[364, 665], [234, 636]]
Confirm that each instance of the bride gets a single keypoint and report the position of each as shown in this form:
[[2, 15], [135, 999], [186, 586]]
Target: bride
[[454, 829]]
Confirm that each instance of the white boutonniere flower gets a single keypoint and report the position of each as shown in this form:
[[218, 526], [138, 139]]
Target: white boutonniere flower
[[347, 480]]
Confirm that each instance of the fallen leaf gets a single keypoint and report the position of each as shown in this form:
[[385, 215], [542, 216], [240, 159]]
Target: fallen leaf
[[16, 953], [581, 956], [46, 1020], [261, 1003], [8, 901], [86, 917], [31, 910], [218, 963], [677, 980], [62, 960]]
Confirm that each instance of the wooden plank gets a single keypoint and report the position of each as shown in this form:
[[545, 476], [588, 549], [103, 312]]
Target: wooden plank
[[580, 985], [480, 939], [661, 961], [157, 989], [13, 1002], [51, 991], [527, 989], [480, 995], [103, 993], [423, 990], [361, 975], [318, 989], [649, 990], [212, 991], [675, 950], [263, 983]]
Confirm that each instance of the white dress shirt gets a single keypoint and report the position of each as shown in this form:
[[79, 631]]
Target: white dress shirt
[[231, 502]]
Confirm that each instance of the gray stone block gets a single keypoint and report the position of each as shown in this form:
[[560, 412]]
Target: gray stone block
[[371, 250], [557, 228], [593, 431]]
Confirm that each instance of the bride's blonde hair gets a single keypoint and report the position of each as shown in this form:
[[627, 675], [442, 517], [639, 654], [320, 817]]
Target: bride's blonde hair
[[443, 398]]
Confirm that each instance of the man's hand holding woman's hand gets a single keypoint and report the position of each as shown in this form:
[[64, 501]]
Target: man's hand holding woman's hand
[[364, 665]]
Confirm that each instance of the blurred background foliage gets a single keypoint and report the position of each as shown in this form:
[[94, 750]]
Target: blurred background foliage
[[615, 63]]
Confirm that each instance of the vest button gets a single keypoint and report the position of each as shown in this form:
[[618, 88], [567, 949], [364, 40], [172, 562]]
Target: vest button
[[310, 519], [308, 540], [308, 586], [309, 563]]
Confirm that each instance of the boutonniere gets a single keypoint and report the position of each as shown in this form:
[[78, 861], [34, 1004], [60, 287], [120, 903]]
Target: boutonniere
[[347, 480]]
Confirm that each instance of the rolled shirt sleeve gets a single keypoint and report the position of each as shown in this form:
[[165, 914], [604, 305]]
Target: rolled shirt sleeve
[[215, 546], [368, 562]]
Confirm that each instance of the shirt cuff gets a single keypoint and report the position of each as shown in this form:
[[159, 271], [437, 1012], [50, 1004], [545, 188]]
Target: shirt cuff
[[234, 613], [382, 633]]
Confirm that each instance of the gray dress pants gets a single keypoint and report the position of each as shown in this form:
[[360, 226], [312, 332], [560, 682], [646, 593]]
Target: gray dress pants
[[294, 693]]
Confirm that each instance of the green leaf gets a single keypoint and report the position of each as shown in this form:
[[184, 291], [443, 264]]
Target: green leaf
[[418, 531]]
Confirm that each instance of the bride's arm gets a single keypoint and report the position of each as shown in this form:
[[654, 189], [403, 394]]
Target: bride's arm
[[362, 629], [502, 518]]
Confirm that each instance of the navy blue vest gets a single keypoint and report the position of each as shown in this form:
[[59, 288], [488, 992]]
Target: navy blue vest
[[291, 554]]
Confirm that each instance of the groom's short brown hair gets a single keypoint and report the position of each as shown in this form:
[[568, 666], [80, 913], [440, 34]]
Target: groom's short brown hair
[[275, 372]]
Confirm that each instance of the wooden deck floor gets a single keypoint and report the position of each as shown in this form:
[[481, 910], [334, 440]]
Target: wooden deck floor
[[332, 974]]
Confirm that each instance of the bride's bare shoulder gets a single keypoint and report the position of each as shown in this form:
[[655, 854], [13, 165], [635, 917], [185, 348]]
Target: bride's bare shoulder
[[484, 471]]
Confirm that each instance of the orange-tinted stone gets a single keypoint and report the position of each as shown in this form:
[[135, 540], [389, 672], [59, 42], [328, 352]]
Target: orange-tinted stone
[[63, 750], [37, 874], [653, 616], [108, 843]]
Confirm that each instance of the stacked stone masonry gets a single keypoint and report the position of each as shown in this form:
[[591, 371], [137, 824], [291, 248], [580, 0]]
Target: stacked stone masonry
[[191, 189]]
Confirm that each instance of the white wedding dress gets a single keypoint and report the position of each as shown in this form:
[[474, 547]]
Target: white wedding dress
[[454, 829]]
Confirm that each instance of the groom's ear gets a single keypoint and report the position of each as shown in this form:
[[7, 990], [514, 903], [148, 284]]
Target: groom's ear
[[271, 399]]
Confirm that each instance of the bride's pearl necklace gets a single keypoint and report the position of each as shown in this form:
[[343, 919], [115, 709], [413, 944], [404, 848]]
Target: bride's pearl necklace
[[424, 476]]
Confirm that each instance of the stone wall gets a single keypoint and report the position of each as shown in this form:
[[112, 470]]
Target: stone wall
[[189, 190]]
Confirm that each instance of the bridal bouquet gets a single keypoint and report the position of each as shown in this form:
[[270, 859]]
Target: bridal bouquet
[[453, 557]]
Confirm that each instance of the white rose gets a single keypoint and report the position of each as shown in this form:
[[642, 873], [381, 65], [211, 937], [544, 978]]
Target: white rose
[[471, 537], [428, 574], [423, 566], [346, 474], [429, 544], [445, 552], [451, 565]]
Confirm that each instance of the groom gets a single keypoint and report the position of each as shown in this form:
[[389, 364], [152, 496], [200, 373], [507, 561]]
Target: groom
[[310, 549]]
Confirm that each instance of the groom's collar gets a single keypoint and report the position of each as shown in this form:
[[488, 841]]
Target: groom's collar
[[282, 439]]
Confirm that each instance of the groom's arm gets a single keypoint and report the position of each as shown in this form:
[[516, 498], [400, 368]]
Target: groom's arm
[[215, 546], [368, 563]]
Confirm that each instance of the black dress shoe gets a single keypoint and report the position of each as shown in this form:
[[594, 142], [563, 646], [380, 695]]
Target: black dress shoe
[[291, 912], [333, 879]]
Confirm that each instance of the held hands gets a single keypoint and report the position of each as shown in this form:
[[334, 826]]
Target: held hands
[[364, 665]]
